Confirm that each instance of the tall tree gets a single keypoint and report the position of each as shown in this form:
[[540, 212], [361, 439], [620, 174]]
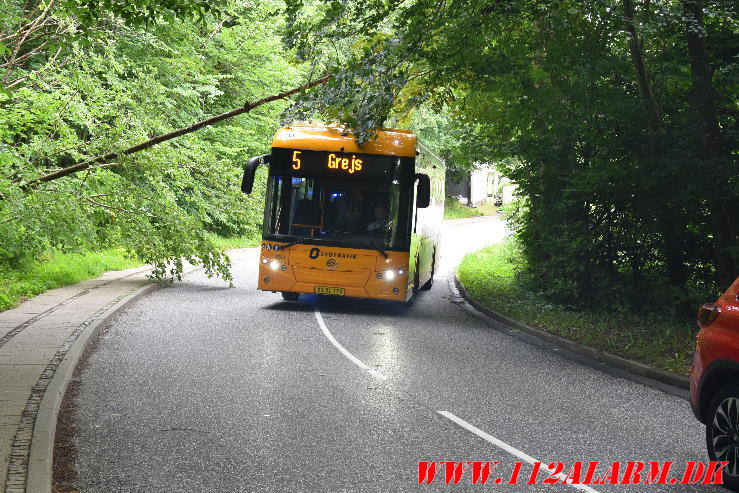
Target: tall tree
[[717, 166], [72, 172], [672, 241], [613, 210]]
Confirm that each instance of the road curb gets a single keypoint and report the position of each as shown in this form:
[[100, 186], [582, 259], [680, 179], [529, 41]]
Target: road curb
[[40, 472], [598, 355], [41, 456]]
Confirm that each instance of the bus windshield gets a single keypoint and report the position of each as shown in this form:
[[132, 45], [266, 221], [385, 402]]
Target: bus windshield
[[359, 214]]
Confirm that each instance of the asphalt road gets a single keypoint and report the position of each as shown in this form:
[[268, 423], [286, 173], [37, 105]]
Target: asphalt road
[[203, 388]]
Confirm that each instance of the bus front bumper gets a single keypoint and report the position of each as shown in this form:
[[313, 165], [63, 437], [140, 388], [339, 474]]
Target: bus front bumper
[[391, 284]]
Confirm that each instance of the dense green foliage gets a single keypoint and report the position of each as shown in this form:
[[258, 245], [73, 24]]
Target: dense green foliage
[[493, 277], [621, 118], [76, 87]]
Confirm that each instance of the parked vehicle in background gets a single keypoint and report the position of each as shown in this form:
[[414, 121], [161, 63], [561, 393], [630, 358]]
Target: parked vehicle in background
[[714, 382]]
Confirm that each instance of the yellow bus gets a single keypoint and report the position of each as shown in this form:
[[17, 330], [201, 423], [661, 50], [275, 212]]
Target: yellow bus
[[345, 219]]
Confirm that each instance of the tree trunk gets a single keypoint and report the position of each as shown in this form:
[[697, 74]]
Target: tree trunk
[[667, 218], [715, 152], [651, 108], [106, 158]]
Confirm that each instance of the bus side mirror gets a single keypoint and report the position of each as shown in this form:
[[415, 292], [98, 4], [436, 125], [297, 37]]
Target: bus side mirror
[[247, 182], [423, 192]]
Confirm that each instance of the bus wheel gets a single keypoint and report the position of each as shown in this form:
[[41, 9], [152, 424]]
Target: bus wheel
[[430, 282], [290, 296]]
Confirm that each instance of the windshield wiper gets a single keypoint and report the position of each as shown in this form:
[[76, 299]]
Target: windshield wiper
[[374, 246], [301, 240]]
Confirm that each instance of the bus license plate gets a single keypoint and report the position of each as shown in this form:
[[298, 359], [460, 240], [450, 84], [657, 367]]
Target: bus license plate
[[329, 290]]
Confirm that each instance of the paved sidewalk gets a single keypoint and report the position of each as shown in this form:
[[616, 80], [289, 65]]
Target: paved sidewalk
[[35, 337]]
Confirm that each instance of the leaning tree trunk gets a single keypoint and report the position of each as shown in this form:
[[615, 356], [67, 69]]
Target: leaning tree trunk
[[723, 204], [667, 218], [106, 158]]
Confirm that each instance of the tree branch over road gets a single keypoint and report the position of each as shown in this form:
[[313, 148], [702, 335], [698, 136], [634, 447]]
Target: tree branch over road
[[170, 135]]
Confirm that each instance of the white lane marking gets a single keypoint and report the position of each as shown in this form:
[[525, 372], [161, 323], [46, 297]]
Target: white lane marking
[[511, 450], [343, 350]]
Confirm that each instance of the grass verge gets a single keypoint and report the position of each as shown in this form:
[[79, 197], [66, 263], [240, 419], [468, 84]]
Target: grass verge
[[61, 269], [453, 209], [490, 276], [56, 270]]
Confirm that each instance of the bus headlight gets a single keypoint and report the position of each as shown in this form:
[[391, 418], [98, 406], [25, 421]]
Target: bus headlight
[[401, 272], [390, 275], [274, 264], [264, 260]]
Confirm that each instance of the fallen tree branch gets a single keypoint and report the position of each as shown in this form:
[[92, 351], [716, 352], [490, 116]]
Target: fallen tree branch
[[118, 209], [214, 32], [106, 165], [46, 66], [34, 25], [22, 30], [170, 135], [31, 53]]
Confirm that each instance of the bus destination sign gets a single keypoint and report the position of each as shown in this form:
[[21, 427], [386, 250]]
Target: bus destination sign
[[333, 161], [308, 162]]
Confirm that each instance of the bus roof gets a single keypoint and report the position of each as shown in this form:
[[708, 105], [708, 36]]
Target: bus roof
[[336, 137]]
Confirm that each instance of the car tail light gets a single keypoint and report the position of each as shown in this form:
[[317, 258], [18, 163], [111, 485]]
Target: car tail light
[[707, 314]]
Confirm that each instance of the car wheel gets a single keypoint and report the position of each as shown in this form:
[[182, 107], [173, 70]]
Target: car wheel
[[290, 296], [722, 433]]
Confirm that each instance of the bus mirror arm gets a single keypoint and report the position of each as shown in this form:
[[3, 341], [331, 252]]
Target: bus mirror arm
[[247, 182], [423, 192]]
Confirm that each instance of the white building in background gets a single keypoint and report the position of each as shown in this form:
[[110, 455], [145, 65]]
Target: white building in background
[[481, 187], [507, 192], [483, 184]]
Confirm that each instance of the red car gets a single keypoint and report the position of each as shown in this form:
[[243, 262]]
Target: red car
[[714, 382]]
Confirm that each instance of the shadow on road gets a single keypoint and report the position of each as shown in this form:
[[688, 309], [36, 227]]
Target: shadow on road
[[289, 306], [189, 284], [338, 305]]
